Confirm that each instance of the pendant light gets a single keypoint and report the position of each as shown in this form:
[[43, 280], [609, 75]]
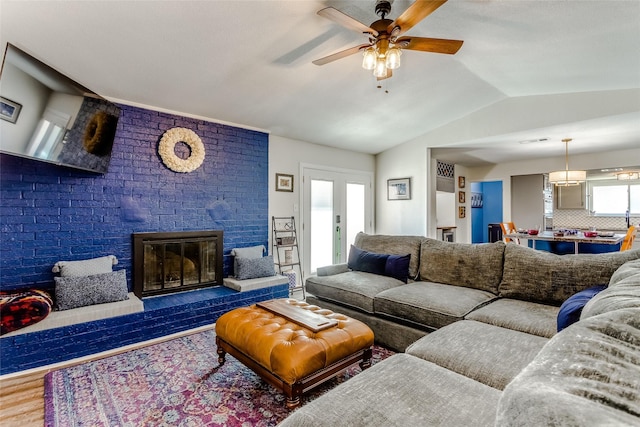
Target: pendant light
[[567, 177]]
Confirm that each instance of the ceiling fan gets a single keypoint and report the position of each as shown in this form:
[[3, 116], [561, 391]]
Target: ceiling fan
[[382, 53]]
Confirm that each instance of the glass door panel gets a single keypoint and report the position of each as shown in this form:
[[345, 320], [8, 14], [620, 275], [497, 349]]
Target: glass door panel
[[336, 206], [321, 224]]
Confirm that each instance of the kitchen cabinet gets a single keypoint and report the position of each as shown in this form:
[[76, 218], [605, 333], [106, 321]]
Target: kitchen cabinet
[[570, 197]]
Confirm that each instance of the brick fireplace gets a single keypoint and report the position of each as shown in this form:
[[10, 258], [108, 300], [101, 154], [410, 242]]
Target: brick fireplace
[[176, 261]]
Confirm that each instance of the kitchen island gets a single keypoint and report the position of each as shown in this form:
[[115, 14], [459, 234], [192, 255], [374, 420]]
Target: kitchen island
[[613, 241]]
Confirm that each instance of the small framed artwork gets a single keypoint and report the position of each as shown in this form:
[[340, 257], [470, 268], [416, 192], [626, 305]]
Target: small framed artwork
[[461, 197], [476, 200], [462, 212], [461, 181], [399, 189], [284, 182], [9, 110]]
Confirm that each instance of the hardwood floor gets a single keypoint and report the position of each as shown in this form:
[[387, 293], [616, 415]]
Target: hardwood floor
[[22, 394], [22, 400]]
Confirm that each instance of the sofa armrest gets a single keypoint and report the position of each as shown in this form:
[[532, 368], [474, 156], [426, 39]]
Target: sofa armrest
[[330, 270]]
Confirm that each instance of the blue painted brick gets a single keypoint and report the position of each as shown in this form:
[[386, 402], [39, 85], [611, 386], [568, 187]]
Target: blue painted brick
[[162, 316], [51, 213]]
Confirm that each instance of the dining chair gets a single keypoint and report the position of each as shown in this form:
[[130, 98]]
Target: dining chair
[[627, 242], [507, 228]]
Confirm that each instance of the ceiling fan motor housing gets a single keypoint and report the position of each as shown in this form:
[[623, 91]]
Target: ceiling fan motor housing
[[383, 8]]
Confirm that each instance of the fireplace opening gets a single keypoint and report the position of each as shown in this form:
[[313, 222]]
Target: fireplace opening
[[176, 261]]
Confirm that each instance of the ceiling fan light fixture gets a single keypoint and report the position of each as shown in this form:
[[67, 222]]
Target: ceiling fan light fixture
[[369, 58], [380, 69], [393, 58]]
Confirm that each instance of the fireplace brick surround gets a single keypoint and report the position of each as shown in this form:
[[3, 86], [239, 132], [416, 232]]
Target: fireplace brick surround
[[50, 213]]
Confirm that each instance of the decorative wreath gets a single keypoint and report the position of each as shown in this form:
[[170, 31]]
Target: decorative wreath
[[166, 149], [99, 133]]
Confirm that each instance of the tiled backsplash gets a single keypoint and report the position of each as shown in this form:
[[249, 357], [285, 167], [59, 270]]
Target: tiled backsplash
[[580, 218]]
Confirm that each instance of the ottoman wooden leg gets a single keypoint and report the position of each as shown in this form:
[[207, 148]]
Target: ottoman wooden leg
[[293, 402], [366, 359], [221, 352]]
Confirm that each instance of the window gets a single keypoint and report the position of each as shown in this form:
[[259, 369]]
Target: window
[[614, 198]]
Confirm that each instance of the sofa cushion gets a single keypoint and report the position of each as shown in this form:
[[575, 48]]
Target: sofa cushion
[[401, 391], [529, 317], [428, 304], [624, 293], [393, 245], [477, 266], [571, 309], [629, 268], [482, 352], [586, 375], [354, 288], [539, 276]]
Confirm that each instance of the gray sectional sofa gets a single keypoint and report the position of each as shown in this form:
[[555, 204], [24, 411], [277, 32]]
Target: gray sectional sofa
[[477, 324]]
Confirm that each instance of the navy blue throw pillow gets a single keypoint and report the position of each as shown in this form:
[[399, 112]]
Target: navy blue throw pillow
[[571, 309], [398, 267], [368, 262]]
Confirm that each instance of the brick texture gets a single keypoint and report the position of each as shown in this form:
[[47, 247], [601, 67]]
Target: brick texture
[[49, 213]]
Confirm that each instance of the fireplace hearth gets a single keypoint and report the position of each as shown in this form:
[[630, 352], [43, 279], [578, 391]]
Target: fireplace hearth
[[176, 261]]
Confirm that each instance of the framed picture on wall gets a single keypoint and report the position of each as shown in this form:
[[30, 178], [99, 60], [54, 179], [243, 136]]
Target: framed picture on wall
[[284, 182], [461, 197], [462, 212], [9, 110], [399, 189], [461, 181]]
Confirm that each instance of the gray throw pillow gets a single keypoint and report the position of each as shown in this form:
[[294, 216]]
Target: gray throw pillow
[[85, 267], [80, 291], [248, 252], [252, 268]]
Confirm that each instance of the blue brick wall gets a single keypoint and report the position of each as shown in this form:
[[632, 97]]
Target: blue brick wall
[[162, 316], [49, 213]]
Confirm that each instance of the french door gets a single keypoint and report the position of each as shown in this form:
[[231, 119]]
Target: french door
[[337, 205]]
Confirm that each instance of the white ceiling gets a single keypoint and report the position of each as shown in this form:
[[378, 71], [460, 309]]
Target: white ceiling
[[249, 63]]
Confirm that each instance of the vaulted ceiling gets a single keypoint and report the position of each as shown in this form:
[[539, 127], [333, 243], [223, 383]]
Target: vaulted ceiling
[[550, 69]]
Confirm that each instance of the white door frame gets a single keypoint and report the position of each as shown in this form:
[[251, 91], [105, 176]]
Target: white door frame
[[304, 168]]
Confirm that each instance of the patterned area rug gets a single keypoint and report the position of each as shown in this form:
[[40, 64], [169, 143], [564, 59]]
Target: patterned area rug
[[175, 383]]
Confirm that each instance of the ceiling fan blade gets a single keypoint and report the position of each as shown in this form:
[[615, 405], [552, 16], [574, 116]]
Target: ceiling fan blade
[[340, 55], [414, 14], [346, 21], [430, 45]]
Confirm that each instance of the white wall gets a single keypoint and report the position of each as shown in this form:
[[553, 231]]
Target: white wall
[[286, 156], [403, 216]]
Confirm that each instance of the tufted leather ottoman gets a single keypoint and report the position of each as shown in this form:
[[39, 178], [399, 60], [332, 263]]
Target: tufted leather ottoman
[[292, 345]]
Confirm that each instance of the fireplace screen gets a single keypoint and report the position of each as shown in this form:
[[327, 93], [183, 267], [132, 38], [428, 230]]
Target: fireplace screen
[[176, 261]]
